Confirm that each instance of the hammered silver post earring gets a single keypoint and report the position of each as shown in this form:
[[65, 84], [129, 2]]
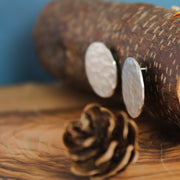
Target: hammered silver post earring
[[133, 89], [101, 69]]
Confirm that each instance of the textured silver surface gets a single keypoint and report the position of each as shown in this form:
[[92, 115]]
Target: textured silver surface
[[101, 69], [132, 87]]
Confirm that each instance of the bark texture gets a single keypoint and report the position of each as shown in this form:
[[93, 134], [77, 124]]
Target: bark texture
[[149, 33]]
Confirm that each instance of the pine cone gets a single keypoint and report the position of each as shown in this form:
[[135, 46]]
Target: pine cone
[[101, 144]]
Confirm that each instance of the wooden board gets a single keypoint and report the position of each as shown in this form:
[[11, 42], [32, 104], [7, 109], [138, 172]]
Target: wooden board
[[32, 121]]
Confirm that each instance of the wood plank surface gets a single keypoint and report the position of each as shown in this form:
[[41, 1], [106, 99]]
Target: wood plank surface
[[32, 121]]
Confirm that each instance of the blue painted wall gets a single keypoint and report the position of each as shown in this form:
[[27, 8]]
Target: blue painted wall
[[18, 61]]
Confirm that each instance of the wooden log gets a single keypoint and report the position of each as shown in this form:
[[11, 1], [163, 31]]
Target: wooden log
[[31, 130], [149, 33]]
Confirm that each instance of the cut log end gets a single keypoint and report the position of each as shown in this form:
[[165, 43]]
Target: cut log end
[[178, 89]]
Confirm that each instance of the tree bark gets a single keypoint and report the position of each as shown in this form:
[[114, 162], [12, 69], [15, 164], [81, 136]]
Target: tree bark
[[149, 33]]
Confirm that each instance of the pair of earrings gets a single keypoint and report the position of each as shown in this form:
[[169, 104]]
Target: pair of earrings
[[102, 73]]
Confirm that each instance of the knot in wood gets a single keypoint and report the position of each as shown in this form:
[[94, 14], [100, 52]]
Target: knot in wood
[[101, 144]]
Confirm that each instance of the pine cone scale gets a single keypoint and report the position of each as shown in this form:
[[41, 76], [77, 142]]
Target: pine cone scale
[[107, 155], [83, 156], [119, 167]]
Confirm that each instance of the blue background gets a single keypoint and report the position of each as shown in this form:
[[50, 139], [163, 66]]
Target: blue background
[[18, 61]]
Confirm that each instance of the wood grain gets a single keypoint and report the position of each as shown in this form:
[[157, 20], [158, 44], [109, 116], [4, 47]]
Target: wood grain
[[31, 145]]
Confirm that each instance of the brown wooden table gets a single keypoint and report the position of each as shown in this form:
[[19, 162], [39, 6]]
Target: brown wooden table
[[32, 120]]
